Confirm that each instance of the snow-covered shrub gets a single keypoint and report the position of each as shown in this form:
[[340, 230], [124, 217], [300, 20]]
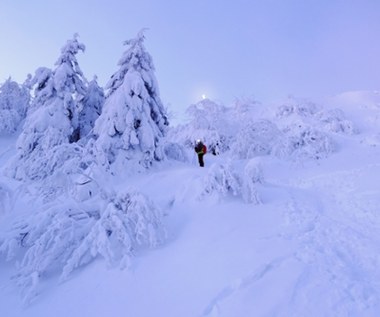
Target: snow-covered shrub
[[245, 110], [255, 139], [206, 114], [207, 122], [129, 222], [133, 120], [251, 178], [175, 151], [221, 180], [293, 106], [307, 129], [334, 121], [186, 136], [304, 142], [14, 100], [63, 236], [216, 125]]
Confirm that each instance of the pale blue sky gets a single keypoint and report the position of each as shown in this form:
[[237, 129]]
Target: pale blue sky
[[224, 49]]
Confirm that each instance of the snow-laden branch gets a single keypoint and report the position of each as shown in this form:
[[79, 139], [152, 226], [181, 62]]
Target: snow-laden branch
[[65, 236]]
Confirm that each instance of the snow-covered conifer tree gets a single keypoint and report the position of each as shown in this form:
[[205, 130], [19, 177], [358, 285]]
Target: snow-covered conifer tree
[[91, 107], [53, 117], [14, 100], [42, 83], [70, 83], [133, 119]]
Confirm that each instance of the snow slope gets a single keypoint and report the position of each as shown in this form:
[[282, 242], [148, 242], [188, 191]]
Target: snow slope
[[311, 248]]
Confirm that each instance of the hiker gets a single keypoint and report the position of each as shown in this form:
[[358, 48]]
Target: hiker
[[201, 150]]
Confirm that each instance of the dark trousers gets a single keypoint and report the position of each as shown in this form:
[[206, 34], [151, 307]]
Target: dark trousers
[[200, 159]]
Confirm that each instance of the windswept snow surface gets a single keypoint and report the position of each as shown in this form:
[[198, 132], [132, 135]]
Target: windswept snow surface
[[310, 248]]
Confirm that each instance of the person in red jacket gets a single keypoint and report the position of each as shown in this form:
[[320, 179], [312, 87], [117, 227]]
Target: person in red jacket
[[201, 150]]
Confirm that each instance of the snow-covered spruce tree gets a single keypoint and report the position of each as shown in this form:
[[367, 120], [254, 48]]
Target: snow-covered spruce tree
[[42, 83], [70, 84], [92, 104], [14, 101], [133, 120], [52, 121]]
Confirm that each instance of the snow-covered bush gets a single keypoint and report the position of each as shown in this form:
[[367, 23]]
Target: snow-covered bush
[[175, 151], [14, 100], [208, 122], [304, 142], [221, 180], [63, 236], [255, 139], [251, 178], [133, 120], [306, 130], [334, 121], [245, 110], [293, 106], [221, 127], [129, 222]]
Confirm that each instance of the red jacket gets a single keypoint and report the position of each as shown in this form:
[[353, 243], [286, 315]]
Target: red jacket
[[200, 148]]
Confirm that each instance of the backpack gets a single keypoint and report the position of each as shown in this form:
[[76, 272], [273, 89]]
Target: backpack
[[200, 148]]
